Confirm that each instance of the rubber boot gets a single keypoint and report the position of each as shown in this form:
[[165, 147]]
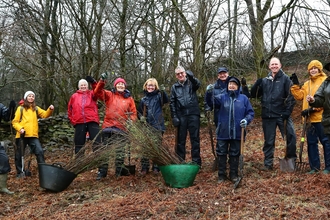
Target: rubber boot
[[222, 169], [233, 163], [3, 184]]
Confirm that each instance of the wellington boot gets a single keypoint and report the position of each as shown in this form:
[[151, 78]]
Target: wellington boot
[[3, 184]]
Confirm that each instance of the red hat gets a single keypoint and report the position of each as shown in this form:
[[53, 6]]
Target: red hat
[[118, 80]]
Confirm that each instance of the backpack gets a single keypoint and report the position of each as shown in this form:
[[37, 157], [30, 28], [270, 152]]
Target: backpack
[[21, 110]]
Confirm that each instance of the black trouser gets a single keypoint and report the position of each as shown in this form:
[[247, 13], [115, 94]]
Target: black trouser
[[114, 136], [232, 149], [80, 134], [189, 123], [35, 147], [269, 127]]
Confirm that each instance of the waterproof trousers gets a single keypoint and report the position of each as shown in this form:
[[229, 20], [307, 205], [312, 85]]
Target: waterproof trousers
[[315, 133], [35, 148], [80, 131], [269, 126], [191, 124]]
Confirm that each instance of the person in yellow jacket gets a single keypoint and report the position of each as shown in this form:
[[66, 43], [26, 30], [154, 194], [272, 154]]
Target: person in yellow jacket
[[25, 123], [315, 132]]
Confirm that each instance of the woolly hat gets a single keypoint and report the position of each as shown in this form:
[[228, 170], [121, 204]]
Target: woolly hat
[[28, 93], [235, 80], [118, 80], [222, 69], [315, 63]]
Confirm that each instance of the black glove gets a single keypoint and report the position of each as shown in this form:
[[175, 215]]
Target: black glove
[[294, 79], [176, 122], [189, 74], [285, 115], [12, 107], [258, 82], [90, 79], [327, 66], [307, 112]]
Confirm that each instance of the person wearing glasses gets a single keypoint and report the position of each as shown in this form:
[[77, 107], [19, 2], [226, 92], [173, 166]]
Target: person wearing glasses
[[185, 113]]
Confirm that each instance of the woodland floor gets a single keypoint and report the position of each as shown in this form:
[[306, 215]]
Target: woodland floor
[[261, 194]]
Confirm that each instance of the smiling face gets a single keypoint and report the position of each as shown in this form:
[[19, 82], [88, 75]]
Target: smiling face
[[223, 75], [30, 98], [313, 71], [275, 65], [83, 86], [120, 87], [232, 86], [180, 74]]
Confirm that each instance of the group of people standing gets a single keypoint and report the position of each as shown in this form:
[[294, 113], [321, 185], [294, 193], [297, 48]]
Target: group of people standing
[[120, 108], [228, 98], [279, 93]]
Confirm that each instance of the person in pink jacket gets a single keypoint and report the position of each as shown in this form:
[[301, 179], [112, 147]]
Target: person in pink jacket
[[83, 115], [119, 108]]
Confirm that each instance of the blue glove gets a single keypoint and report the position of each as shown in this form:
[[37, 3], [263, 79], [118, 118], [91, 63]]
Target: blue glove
[[243, 123], [210, 87], [104, 75]]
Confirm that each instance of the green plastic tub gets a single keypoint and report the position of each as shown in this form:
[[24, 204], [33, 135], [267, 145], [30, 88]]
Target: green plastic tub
[[179, 175]]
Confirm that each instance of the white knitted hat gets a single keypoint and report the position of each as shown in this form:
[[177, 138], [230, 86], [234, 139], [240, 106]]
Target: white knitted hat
[[28, 93]]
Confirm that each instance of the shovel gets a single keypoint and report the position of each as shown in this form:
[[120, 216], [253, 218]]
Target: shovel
[[129, 169], [21, 142], [286, 164], [216, 159], [240, 160]]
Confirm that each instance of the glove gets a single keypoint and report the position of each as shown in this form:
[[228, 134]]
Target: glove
[[294, 79], [243, 123], [104, 76], [307, 112], [162, 87], [189, 74], [143, 119], [258, 82], [90, 79], [176, 122], [127, 93], [209, 87], [285, 115]]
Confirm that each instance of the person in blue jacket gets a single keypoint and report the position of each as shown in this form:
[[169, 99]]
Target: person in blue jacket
[[235, 112], [150, 111]]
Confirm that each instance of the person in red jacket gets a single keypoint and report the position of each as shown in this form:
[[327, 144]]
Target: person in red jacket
[[83, 115], [119, 108]]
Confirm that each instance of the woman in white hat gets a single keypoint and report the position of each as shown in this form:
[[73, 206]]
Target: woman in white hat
[[25, 123]]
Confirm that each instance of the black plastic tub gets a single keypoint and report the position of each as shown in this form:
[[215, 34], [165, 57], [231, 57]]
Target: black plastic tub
[[54, 177]]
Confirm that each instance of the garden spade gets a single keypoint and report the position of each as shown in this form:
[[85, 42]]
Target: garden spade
[[286, 164], [209, 125], [21, 142], [240, 160]]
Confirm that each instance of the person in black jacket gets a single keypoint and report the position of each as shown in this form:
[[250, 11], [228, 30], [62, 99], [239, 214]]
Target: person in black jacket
[[6, 114], [277, 105], [185, 113]]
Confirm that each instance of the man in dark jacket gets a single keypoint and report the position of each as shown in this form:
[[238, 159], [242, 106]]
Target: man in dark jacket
[[277, 105], [185, 113], [219, 87]]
